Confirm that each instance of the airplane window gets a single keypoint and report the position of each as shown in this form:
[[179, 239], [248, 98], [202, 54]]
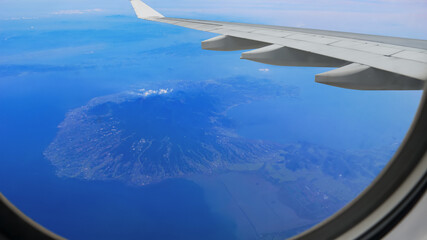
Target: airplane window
[[112, 127]]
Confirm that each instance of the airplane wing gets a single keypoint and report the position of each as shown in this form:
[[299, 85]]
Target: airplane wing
[[363, 62]]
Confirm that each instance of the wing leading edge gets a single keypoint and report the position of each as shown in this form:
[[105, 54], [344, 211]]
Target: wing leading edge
[[363, 62]]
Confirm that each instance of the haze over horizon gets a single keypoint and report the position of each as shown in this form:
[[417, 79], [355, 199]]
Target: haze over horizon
[[382, 17]]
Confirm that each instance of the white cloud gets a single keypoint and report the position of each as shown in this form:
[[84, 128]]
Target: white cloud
[[146, 93], [20, 18], [72, 12], [164, 91], [264, 70], [126, 96]]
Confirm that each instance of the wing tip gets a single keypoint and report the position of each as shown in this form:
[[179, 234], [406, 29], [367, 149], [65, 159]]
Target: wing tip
[[144, 11]]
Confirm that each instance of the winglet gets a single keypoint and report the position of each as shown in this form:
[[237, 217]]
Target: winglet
[[144, 11]]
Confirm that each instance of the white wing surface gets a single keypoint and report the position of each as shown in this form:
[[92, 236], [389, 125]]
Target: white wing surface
[[363, 62]]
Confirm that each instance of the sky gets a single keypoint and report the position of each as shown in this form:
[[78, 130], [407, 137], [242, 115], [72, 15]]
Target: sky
[[403, 18]]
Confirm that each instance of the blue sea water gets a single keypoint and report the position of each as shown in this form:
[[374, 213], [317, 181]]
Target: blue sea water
[[339, 118], [50, 66]]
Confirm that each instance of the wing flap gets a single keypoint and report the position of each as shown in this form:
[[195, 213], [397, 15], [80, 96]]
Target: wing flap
[[274, 33], [411, 55], [312, 38]]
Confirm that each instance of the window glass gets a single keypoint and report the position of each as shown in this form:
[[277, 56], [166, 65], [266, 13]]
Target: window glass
[[116, 128]]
